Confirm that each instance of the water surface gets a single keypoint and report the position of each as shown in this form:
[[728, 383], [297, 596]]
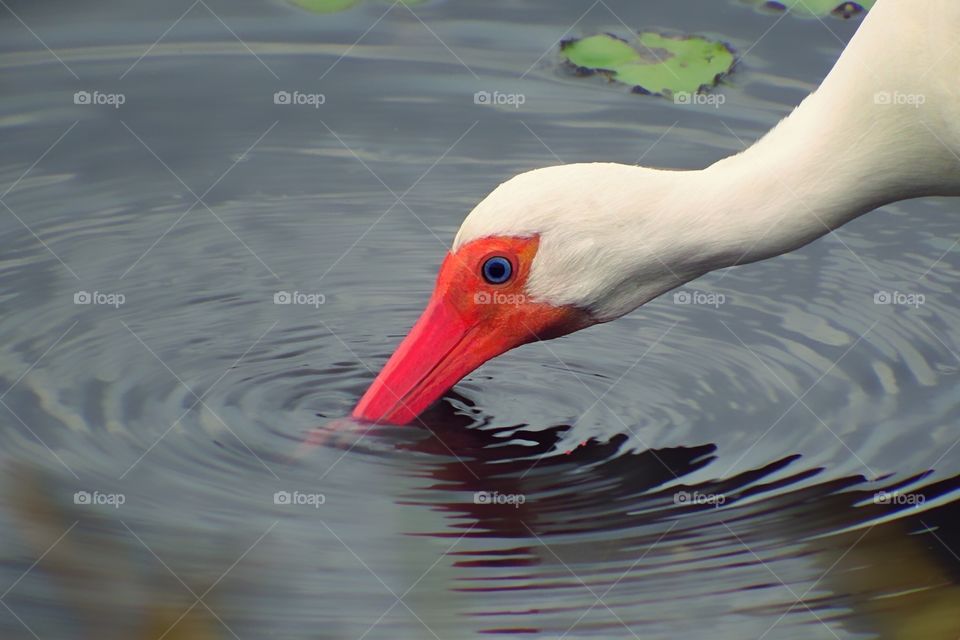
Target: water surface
[[688, 471]]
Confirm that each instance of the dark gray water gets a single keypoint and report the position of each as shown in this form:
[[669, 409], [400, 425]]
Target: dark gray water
[[689, 471]]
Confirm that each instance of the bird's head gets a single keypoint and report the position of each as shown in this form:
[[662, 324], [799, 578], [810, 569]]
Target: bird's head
[[547, 253]]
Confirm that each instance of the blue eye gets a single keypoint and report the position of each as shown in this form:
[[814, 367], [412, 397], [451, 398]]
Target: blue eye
[[497, 270]]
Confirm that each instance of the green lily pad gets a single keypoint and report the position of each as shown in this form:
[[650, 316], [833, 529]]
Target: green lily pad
[[325, 6], [653, 62], [815, 8], [335, 6]]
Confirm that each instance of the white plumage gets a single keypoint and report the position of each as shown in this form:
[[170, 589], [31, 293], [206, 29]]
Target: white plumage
[[884, 126]]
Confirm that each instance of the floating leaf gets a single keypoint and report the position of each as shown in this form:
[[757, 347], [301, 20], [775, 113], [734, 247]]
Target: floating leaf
[[334, 6], [814, 8], [653, 62], [325, 6]]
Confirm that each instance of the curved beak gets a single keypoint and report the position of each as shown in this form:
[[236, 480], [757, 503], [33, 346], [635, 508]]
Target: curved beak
[[465, 324], [439, 350]]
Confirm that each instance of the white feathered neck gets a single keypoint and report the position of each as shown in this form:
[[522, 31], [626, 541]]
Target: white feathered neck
[[884, 126]]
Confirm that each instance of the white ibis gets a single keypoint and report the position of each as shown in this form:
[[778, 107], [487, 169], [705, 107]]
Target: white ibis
[[558, 249]]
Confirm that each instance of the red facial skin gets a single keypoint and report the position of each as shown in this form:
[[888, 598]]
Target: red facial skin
[[467, 322]]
